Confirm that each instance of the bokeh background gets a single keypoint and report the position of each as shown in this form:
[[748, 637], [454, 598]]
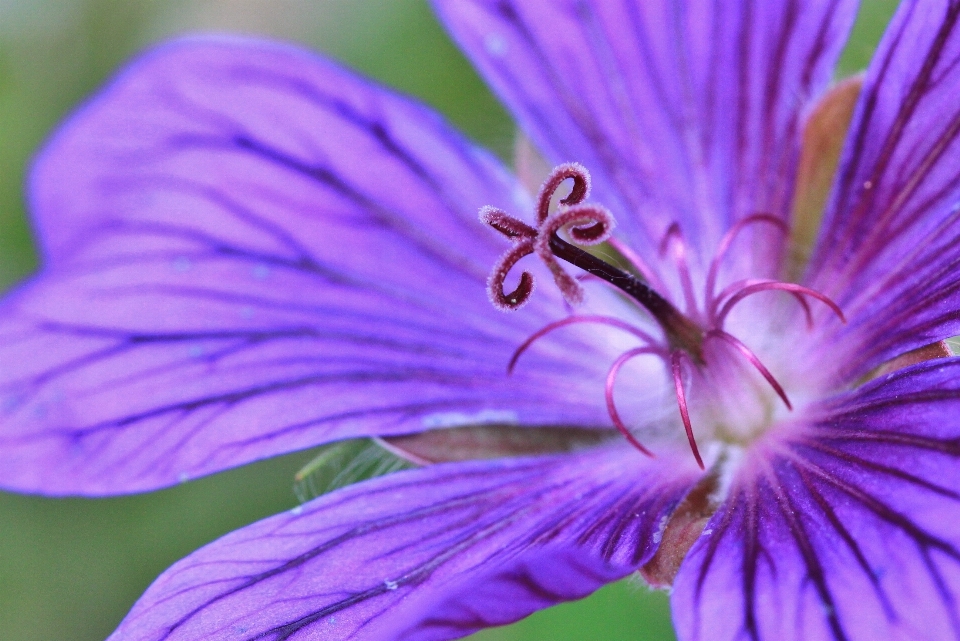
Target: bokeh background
[[71, 568]]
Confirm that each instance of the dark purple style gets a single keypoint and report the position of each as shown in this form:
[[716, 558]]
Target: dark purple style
[[739, 390]]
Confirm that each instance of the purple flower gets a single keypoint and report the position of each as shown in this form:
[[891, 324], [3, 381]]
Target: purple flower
[[250, 251]]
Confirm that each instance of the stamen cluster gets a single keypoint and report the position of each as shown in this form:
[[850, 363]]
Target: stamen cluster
[[685, 334]]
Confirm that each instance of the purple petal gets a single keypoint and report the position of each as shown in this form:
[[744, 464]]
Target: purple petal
[[682, 111], [844, 528], [889, 249], [434, 553], [252, 251]]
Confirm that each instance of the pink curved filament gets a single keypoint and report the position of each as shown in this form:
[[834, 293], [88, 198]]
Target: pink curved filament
[[674, 235], [677, 369], [767, 285], [807, 312], [728, 239], [608, 392], [736, 287], [728, 291], [753, 360], [570, 320]]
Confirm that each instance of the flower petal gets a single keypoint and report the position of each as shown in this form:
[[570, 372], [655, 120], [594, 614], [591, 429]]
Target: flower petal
[[682, 111], [889, 250], [252, 251], [845, 528], [433, 553]]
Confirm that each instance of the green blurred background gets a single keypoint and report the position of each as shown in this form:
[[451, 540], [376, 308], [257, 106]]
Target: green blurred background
[[71, 568]]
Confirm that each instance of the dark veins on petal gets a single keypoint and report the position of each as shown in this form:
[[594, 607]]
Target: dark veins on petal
[[484, 518], [316, 327], [590, 127], [861, 497], [890, 238]]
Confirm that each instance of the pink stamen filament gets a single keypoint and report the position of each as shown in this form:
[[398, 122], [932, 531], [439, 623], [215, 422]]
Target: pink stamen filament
[[674, 237], [739, 285], [600, 320], [768, 285], [753, 360], [727, 241], [677, 370], [608, 393]]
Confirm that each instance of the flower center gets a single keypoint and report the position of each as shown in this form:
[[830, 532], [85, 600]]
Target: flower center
[[697, 350]]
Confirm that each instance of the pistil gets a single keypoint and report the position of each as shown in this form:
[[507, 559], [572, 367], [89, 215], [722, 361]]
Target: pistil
[[587, 225]]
